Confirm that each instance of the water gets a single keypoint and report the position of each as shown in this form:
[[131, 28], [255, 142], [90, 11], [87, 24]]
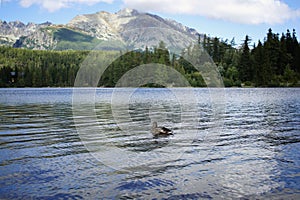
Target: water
[[243, 146]]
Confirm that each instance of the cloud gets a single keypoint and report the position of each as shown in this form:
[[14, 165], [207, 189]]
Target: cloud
[[54, 5], [238, 11]]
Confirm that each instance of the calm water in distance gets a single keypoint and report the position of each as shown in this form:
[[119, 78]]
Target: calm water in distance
[[249, 147]]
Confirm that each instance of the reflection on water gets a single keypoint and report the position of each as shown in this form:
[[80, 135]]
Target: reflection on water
[[256, 154]]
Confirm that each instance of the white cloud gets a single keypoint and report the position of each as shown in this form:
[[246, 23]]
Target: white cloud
[[54, 5], [240, 11]]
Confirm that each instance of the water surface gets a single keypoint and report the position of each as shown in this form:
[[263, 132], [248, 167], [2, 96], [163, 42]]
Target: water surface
[[249, 148]]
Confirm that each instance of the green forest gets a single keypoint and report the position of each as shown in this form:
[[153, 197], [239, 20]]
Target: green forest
[[274, 62]]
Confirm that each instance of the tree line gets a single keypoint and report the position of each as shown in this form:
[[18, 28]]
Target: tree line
[[36, 68], [274, 62]]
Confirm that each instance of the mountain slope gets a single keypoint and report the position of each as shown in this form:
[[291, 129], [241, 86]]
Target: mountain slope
[[135, 29], [12, 31], [126, 28]]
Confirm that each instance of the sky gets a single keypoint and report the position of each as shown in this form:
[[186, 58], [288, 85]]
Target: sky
[[225, 19]]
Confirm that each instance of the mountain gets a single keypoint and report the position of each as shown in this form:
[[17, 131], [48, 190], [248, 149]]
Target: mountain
[[10, 32], [125, 29]]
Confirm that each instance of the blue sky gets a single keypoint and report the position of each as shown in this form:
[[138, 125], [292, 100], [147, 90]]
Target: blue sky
[[224, 19]]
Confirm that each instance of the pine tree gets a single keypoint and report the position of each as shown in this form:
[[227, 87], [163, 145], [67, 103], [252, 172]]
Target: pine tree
[[272, 49], [261, 65], [296, 53], [283, 59], [216, 50], [245, 64]]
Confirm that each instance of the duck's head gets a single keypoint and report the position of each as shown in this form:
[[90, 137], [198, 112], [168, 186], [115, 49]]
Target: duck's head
[[154, 125]]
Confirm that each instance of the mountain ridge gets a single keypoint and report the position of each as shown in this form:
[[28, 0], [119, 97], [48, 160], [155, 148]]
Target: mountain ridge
[[127, 27]]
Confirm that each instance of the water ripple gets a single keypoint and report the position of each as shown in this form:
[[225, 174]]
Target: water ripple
[[255, 154]]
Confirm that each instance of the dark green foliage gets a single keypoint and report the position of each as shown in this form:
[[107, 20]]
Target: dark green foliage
[[38, 68], [274, 62], [245, 64], [262, 66], [33, 68], [159, 55]]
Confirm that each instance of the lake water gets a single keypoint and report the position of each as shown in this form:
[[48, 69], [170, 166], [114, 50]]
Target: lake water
[[90, 144]]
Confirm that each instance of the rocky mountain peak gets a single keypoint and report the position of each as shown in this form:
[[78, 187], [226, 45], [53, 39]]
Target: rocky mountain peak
[[127, 12], [127, 26], [17, 24]]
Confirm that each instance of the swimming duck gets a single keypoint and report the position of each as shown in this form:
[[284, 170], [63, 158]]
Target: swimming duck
[[160, 131]]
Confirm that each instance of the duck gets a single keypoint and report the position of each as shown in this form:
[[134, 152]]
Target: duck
[[160, 131]]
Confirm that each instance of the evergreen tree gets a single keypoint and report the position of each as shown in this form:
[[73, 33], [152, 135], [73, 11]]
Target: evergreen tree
[[284, 56], [261, 66], [245, 64], [272, 50], [296, 53], [216, 50]]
